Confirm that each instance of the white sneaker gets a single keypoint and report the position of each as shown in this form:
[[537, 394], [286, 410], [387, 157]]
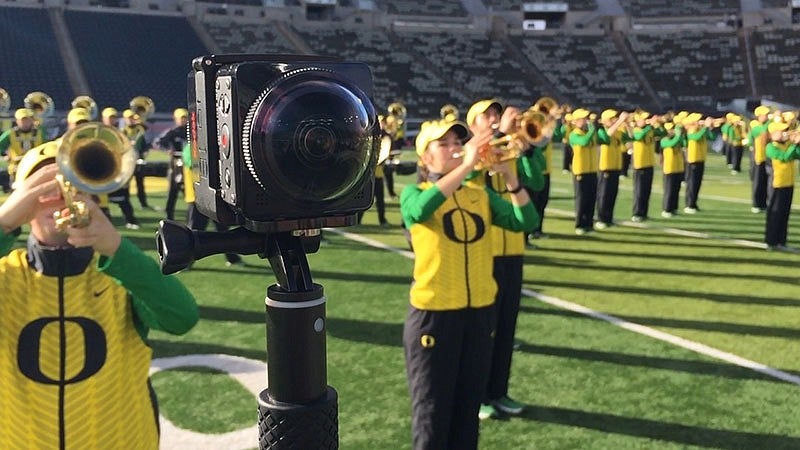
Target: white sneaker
[[689, 210], [667, 214], [580, 231], [637, 219], [601, 225], [132, 226], [756, 210]]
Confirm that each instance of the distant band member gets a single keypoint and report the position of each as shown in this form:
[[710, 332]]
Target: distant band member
[[697, 135], [757, 138], [136, 132], [783, 154], [583, 141], [23, 136], [611, 137], [643, 160], [673, 167], [173, 142]]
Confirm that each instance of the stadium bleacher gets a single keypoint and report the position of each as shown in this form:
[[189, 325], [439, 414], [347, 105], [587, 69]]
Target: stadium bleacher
[[671, 8], [31, 61], [150, 55], [248, 38], [777, 64], [444, 8]]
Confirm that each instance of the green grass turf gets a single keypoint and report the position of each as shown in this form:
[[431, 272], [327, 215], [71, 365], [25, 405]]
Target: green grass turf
[[587, 384]]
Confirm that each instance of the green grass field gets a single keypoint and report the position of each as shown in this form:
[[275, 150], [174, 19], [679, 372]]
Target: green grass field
[[588, 384]]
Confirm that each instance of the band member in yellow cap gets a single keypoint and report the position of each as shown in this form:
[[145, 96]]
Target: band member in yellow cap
[[782, 150], [757, 139], [642, 160], [610, 136], [173, 142], [698, 133], [78, 303], [137, 132], [583, 140], [672, 164], [23, 136], [447, 334]]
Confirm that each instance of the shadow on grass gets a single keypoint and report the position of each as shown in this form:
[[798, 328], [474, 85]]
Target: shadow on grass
[[651, 429], [682, 257], [721, 327], [676, 365], [165, 348], [715, 297], [378, 333], [231, 315]]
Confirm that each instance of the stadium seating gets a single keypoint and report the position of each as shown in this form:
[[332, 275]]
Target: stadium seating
[[587, 68], [441, 8], [515, 5], [248, 38], [691, 67], [777, 64], [31, 60], [149, 55], [671, 8]]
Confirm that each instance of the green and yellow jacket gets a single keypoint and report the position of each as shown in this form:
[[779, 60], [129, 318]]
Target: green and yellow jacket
[[783, 155]]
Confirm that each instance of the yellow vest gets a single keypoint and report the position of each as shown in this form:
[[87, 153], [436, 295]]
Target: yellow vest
[[696, 150], [673, 160], [101, 399], [611, 154], [504, 242], [453, 254], [19, 143], [759, 144], [584, 158], [644, 151], [782, 171]]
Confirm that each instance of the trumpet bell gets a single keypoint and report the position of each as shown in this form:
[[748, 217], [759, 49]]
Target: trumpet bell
[[449, 112], [546, 106], [96, 158], [41, 104], [87, 103], [143, 106], [397, 109]]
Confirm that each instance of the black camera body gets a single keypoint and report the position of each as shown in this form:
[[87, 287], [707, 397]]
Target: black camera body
[[282, 142]]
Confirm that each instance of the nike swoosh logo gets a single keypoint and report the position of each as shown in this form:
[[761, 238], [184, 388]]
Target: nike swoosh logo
[[100, 292]]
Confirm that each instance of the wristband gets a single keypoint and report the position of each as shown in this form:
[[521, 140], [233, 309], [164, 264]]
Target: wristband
[[517, 189]]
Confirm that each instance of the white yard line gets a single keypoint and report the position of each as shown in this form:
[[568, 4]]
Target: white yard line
[[630, 326]]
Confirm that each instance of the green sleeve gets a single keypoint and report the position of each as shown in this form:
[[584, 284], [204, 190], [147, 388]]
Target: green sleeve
[[7, 241], [160, 302], [639, 135], [726, 130], [581, 140], [602, 136], [773, 152], [697, 135], [5, 141], [672, 141], [659, 132], [530, 168], [514, 218], [418, 205], [558, 133]]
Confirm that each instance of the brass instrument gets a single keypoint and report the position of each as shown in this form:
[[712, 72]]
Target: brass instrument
[[41, 104], [716, 122], [95, 159], [397, 109], [449, 112], [5, 101], [546, 106], [87, 103], [143, 106], [532, 126]]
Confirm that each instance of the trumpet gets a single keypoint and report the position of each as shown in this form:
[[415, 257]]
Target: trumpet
[[87, 103], [41, 104], [716, 122], [546, 106], [143, 106], [95, 159], [533, 125], [397, 109]]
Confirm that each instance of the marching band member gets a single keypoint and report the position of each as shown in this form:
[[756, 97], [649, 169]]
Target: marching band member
[[447, 334], [541, 197], [582, 139], [136, 131], [757, 138], [122, 196], [697, 135], [782, 151], [643, 160], [23, 136], [736, 135], [508, 249], [104, 295], [173, 142], [610, 136], [673, 168]]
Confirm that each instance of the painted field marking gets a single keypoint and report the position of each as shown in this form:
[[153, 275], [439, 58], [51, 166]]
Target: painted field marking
[[630, 326]]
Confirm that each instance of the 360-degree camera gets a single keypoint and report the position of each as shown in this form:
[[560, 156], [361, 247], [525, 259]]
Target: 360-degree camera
[[282, 142]]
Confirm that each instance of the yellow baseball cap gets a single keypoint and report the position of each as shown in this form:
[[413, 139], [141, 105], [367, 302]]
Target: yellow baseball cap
[[35, 159], [761, 110], [78, 115], [643, 115], [180, 112], [110, 112], [481, 107], [669, 125], [23, 113], [788, 116], [777, 126], [609, 114], [693, 117], [580, 113], [436, 129], [128, 113]]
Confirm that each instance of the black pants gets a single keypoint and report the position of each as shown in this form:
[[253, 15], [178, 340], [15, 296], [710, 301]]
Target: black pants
[[780, 206], [197, 221], [138, 176], [694, 179], [508, 275], [758, 176], [585, 198], [380, 202], [447, 363], [566, 164], [626, 163], [672, 191], [388, 176], [607, 190], [737, 152], [540, 199], [642, 187], [122, 198], [175, 178]]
